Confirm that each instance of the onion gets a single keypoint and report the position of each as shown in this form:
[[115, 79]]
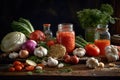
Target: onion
[[12, 41], [31, 63], [29, 45], [23, 53]]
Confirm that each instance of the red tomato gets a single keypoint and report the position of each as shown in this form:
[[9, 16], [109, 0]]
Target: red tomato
[[29, 68], [22, 65], [67, 58], [18, 68], [15, 63], [37, 35], [11, 69], [50, 43], [74, 59], [92, 50]]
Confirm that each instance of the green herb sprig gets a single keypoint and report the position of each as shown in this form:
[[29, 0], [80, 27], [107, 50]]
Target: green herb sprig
[[92, 17]]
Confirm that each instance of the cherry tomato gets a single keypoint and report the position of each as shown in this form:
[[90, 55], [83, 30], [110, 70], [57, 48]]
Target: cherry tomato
[[92, 50], [66, 55], [67, 58], [15, 63], [18, 68], [74, 59], [29, 68], [50, 43], [37, 35], [22, 65], [11, 69]]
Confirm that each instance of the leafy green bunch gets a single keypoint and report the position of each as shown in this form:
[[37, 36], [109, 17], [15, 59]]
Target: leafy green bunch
[[93, 17]]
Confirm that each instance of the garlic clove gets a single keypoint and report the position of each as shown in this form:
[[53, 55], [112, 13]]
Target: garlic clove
[[60, 65], [13, 55], [38, 67]]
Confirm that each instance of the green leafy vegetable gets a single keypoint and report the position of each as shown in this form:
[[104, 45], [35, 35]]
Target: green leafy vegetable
[[27, 22], [92, 17], [23, 25]]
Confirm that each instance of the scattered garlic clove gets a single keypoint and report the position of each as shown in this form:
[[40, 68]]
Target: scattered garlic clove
[[101, 65], [38, 67], [13, 55], [60, 65]]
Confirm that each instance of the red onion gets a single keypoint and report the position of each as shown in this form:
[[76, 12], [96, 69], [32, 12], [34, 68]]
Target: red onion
[[29, 45]]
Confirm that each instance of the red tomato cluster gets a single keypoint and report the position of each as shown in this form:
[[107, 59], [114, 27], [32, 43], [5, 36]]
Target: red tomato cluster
[[19, 66]]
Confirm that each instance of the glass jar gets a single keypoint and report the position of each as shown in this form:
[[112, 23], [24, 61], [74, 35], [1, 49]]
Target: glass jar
[[48, 33], [102, 38], [66, 36], [89, 34]]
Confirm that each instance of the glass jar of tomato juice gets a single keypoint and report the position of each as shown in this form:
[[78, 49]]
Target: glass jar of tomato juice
[[102, 38], [66, 36]]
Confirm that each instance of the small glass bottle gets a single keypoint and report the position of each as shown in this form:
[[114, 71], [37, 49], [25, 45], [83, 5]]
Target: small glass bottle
[[102, 38], [48, 33], [66, 36]]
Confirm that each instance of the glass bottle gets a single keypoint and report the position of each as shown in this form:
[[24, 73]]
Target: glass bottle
[[102, 38], [48, 33], [66, 36]]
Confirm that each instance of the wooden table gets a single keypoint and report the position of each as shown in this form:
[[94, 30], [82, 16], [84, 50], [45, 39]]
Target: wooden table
[[79, 72]]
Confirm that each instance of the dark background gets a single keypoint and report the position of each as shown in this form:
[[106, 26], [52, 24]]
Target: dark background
[[50, 11]]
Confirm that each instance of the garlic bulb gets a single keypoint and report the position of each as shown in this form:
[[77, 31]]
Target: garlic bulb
[[40, 51], [111, 53], [13, 55], [92, 62], [79, 52], [52, 62]]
